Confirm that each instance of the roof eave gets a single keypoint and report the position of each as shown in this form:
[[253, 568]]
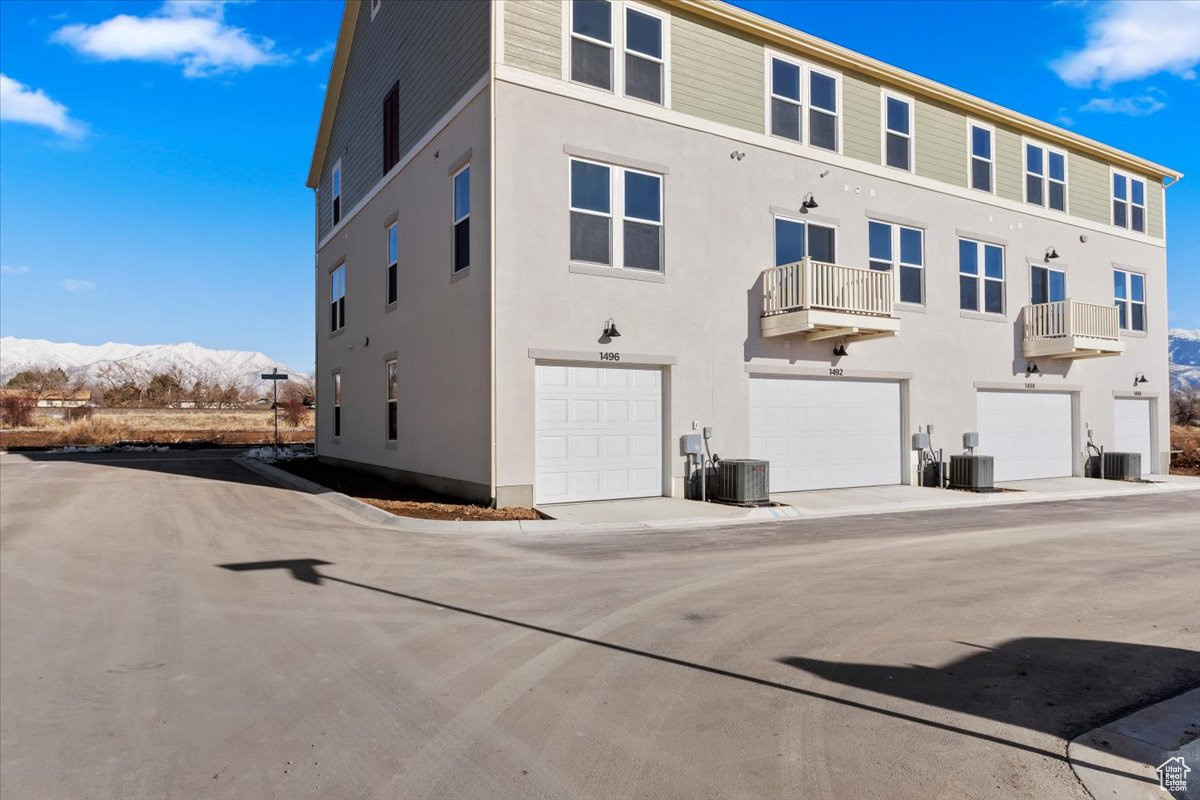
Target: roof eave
[[333, 90]]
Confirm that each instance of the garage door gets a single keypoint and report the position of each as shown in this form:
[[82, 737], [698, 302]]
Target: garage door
[[1131, 423], [824, 434], [598, 433], [1028, 433]]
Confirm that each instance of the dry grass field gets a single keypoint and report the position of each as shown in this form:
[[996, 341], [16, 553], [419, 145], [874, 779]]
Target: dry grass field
[[156, 426], [1186, 441]]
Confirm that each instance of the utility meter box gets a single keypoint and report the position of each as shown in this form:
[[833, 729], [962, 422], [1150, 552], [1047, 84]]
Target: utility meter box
[[971, 439], [690, 444], [920, 441]]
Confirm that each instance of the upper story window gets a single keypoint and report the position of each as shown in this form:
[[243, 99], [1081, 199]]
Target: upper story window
[[796, 240], [644, 66], [392, 264], [983, 165], [462, 218], [898, 132], [1045, 177], [393, 391], [1129, 202], [900, 249], [980, 276], [336, 182], [391, 128], [337, 299], [787, 103], [1047, 285], [592, 43], [1129, 296], [337, 404], [602, 194]]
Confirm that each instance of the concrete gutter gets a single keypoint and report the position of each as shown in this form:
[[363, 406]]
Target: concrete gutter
[[952, 500]]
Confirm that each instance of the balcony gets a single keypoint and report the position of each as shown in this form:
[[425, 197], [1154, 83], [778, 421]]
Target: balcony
[[1070, 329], [828, 301]]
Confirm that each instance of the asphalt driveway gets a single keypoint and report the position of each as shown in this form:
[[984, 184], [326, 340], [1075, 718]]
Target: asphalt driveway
[[171, 626]]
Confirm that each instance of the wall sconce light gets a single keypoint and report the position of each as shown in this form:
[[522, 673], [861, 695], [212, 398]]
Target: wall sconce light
[[1051, 253], [809, 201], [1032, 369], [839, 349], [610, 329], [1139, 379]]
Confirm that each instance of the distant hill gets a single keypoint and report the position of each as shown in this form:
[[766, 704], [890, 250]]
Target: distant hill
[[192, 360], [1184, 348]]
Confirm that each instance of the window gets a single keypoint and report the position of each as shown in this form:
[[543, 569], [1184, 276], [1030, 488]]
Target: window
[[393, 418], [337, 299], [787, 104], [1129, 202], [1129, 293], [643, 56], [1047, 285], [592, 43], [796, 240], [392, 261], [886, 242], [898, 132], [980, 277], [336, 180], [982, 164], [337, 404], [638, 237], [376, 5], [462, 219], [391, 128], [1045, 177]]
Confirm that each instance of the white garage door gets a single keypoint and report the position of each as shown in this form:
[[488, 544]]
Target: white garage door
[[598, 433], [1028, 433], [825, 434], [1131, 423]]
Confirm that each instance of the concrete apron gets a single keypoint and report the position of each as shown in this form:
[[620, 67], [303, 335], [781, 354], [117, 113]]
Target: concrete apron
[[1124, 755], [664, 513]]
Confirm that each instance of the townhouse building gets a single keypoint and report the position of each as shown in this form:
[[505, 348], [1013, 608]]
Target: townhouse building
[[553, 237]]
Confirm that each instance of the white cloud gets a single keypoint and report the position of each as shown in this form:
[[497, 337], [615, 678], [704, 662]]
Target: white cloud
[[5, 269], [188, 32], [1132, 39], [1140, 106], [20, 103], [73, 285], [319, 53]]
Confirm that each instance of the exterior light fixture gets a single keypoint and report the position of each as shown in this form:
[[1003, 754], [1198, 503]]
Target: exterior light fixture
[[839, 349], [1032, 369], [1051, 253], [737, 155], [1139, 379], [610, 329], [809, 202]]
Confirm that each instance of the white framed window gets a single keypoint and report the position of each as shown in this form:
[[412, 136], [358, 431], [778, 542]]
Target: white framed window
[[645, 55], [336, 187], [1045, 176], [980, 276], [982, 166], [1129, 296], [337, 404], [898, 131], [899, 249], [1129, 202], [618, 47], [796, 239], [393, 391], [616, 216], [1046, 284], [799, 94], [462, 218], [337, 299], [393, 258], [591, 43]]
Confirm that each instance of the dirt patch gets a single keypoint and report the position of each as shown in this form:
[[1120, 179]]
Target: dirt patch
[[1185, 439], [404, 501]]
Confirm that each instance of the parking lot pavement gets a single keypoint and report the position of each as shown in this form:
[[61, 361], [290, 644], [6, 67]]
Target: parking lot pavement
[[171, 625]]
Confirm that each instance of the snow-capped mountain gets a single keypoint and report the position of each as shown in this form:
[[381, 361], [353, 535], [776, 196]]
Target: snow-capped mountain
[[192, 360], [1184, 347]]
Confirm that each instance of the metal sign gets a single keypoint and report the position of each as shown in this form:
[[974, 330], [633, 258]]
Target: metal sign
[[274, 376]]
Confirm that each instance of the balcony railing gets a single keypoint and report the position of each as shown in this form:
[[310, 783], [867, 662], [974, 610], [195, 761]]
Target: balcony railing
[[1071, 329], [811, 284]]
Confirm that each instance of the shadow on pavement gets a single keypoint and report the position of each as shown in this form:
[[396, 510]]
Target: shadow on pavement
[[209, 464], [1167, 668]]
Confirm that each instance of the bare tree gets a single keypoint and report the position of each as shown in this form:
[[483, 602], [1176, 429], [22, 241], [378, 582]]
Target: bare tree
[[1185, 406]]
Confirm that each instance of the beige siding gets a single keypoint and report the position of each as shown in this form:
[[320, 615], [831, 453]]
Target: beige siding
[[716, 74], [1009, 166], [533, 36], [860, 98], [1155, 213], [1087, 188], [941, 142]]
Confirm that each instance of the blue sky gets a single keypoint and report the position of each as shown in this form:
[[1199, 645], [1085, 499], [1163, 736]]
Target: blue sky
[[153, 155]]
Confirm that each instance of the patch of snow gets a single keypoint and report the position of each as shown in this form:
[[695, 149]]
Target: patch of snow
[[269, 455], [125, 448]]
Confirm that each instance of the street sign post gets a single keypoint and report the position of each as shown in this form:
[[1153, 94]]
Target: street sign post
[[275, 376]]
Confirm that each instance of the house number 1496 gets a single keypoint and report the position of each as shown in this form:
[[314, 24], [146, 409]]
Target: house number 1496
[[609, 356]]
